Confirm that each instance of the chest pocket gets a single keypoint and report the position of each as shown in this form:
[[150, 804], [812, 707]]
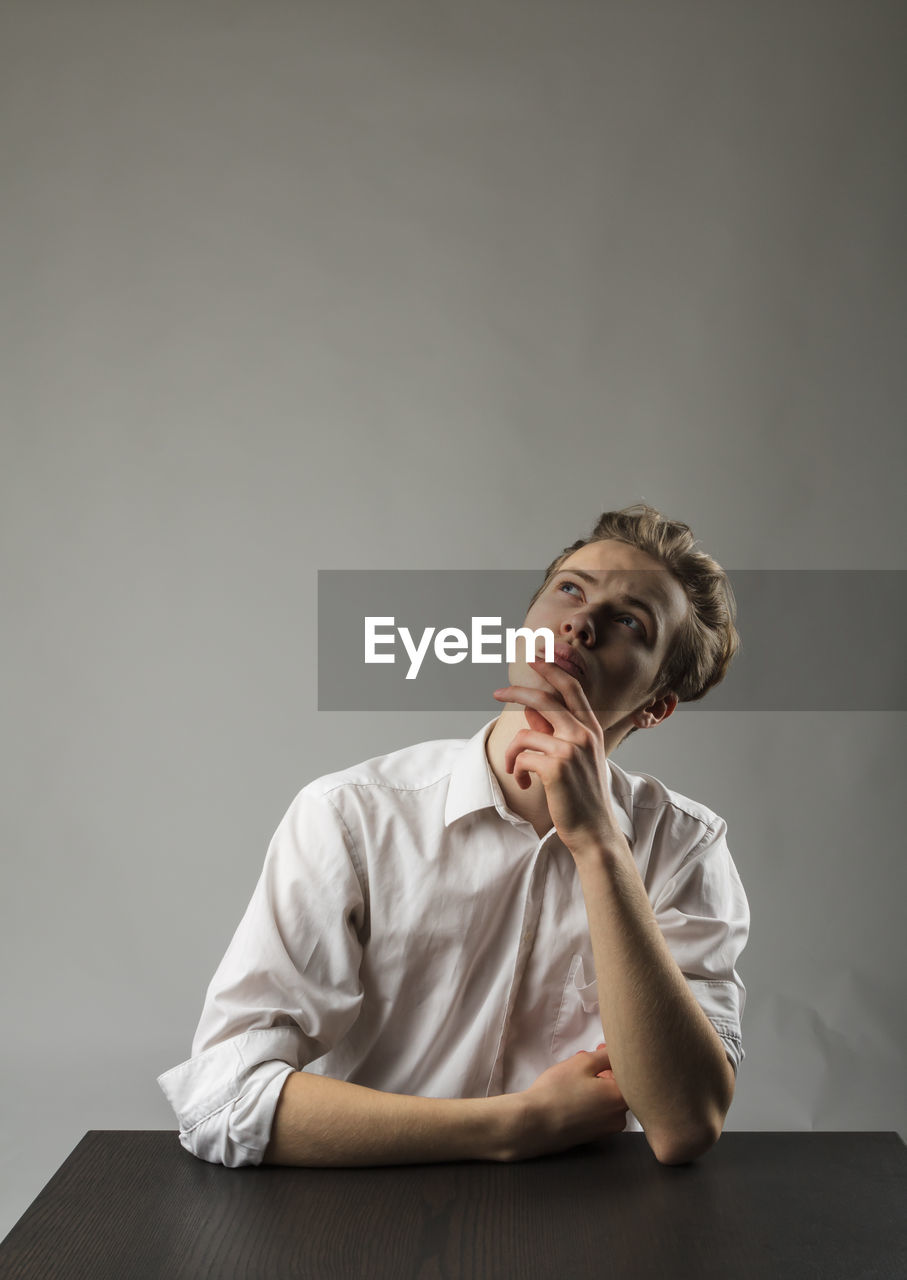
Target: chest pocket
[[578, 1023]]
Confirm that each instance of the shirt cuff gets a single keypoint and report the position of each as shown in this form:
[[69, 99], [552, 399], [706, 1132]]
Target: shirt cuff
[[225, 1097], [720, 1001]]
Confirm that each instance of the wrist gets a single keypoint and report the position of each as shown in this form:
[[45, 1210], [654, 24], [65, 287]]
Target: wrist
[[601, 850], [511, 1119]]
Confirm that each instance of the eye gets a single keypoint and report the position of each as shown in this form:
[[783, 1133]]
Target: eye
[[562, 586], [634, 623]]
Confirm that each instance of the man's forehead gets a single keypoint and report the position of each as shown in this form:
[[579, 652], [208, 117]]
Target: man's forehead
[[613, 562]]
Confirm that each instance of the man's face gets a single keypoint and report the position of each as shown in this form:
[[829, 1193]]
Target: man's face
[[614, 612]]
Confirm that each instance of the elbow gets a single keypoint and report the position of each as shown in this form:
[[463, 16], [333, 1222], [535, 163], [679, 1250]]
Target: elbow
[[678, 1146], [687, 1137], [217, 1148]]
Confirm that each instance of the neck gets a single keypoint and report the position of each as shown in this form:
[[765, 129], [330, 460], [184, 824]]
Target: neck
[[531, 805]]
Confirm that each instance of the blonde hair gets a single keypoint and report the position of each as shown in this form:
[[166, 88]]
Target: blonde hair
[[707, 640]]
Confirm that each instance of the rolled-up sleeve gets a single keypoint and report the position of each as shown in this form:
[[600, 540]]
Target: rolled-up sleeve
[[703, 914], [285, 993]]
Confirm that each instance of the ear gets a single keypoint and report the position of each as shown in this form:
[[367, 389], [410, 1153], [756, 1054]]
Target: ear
[[655, 711]]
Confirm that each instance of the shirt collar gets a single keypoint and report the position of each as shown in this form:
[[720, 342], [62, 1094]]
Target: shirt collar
[[473, 786]]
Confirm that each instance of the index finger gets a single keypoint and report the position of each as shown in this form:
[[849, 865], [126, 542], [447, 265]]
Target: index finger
[[568, 686], [560, 717]]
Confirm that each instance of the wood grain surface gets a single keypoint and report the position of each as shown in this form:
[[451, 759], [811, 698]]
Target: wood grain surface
[[760, 1205]]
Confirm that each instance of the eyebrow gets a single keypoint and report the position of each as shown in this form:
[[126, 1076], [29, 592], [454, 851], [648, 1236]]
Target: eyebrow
[[624, 598]]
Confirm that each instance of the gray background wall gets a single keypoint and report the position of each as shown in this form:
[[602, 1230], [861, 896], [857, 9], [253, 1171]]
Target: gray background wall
[[354, 284]]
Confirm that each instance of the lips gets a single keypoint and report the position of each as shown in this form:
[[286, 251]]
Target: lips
[[569, 660]]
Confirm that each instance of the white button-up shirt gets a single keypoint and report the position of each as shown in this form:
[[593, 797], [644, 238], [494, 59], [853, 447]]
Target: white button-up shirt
[[410, 933]]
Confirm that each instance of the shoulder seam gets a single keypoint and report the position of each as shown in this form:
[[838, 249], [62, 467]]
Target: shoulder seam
[[669, 802], [672, 798], [376, 782]]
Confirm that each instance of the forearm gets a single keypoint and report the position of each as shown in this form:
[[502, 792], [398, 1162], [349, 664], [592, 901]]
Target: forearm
[[667, 1058], [322, 1121]]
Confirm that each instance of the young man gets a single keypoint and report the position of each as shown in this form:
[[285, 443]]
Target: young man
[[496, 948]]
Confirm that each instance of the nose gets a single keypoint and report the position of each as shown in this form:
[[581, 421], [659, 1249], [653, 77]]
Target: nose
[[579, 624]]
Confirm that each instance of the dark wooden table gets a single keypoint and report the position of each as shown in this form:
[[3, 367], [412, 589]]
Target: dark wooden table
[[760, 1205]]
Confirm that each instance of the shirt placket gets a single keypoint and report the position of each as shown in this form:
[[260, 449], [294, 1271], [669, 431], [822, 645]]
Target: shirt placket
[[532, 906]]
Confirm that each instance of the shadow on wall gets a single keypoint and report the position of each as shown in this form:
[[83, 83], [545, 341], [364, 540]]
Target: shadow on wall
[[827, 1065]]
